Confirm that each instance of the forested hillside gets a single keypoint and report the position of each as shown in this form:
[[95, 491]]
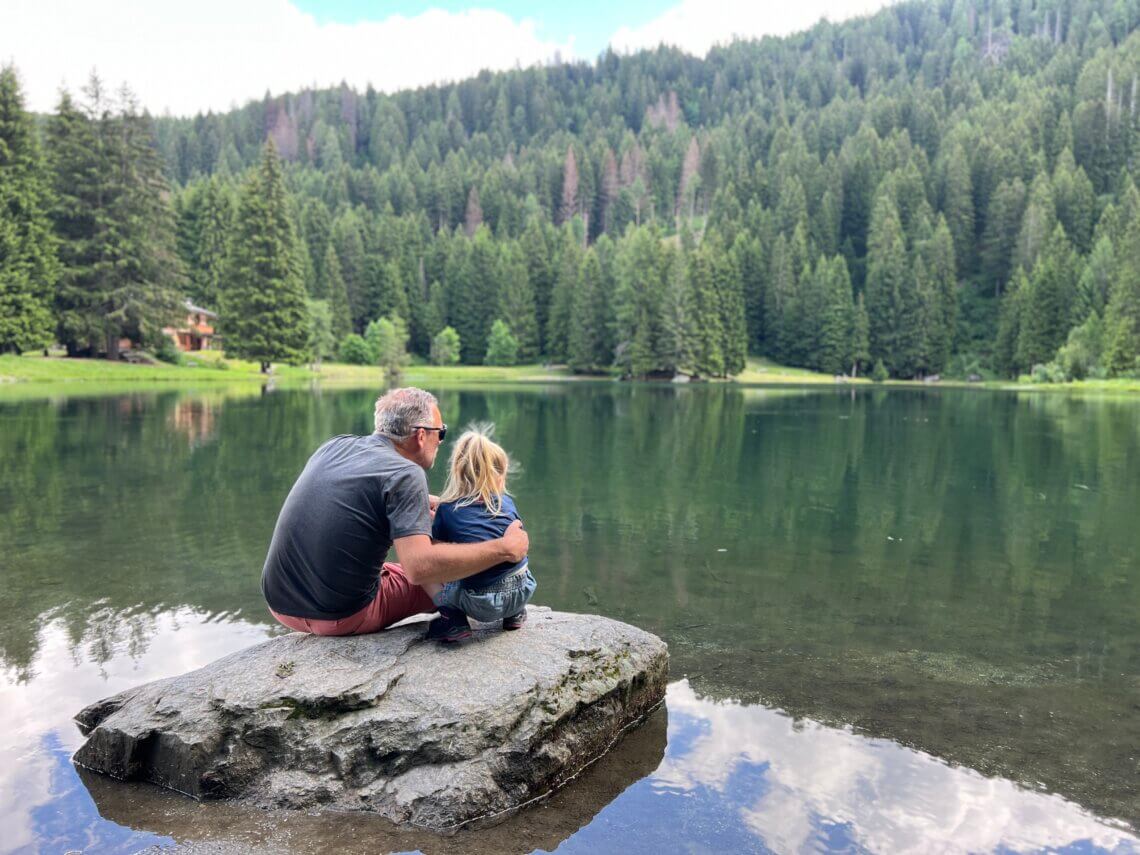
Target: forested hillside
[[942, 188]]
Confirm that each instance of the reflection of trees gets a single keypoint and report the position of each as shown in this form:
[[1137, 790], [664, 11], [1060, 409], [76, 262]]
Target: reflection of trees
[[954, 570]]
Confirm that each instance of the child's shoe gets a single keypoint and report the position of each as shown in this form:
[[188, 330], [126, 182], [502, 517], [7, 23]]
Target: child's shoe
[[515, 621], [450, 626]]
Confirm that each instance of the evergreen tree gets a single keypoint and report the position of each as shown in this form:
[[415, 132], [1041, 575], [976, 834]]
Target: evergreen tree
[[887, 277], [1046, 308], [540, 275], [642, 274], [558, 322], [860, 337], [941, 290], [1122, 317], [79, 217], [121, 271], [837, 324], [588, 350], [707, 332], [340, 318], [142, 276], [29, 267], [210, 231], [516, 302], [263, 305], [958, 204], [1003, 223]]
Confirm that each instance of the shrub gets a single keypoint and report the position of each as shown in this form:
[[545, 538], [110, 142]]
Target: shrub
[[879, 373], [445, 347], [355, 350], [387, 339], [502, 347], [167, 351]]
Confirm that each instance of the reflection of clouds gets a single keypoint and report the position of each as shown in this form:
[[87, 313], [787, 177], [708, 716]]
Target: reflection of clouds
[[63, 683], [888, 798]]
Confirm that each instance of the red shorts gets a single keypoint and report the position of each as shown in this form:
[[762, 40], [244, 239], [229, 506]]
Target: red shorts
[[396, 599]]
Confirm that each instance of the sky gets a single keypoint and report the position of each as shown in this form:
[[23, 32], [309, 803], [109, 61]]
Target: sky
[[183, 58]]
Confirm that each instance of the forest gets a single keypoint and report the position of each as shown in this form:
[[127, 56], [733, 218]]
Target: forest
[[942, 188]]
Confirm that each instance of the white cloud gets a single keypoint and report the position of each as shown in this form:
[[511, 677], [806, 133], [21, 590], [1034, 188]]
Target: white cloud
[[697, 25], [212, 54], [891, 798]]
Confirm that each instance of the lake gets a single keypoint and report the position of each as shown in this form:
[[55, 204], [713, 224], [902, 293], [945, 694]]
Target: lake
[[899, 620]]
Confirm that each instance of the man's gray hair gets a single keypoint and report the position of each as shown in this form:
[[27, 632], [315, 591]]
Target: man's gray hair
[[399, 412]]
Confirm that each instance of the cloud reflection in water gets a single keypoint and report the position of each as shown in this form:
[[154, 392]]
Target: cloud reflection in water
[[804, 786], [734, 777]]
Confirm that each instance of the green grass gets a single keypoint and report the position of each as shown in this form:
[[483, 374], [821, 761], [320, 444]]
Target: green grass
[[21, 376], [207, 368], [760, 370]]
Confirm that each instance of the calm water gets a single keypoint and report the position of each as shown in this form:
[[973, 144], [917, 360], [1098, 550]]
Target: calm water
[[899, 621]]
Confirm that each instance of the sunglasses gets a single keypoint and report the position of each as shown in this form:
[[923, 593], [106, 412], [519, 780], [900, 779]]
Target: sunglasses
[[442, 430]]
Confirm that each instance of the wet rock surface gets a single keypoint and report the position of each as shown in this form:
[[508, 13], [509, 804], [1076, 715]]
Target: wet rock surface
[[422, 734]]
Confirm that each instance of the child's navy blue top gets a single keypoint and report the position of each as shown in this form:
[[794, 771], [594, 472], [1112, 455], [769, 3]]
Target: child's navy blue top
[[474, 524]]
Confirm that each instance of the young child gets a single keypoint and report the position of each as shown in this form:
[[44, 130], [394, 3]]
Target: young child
[[475, 507]]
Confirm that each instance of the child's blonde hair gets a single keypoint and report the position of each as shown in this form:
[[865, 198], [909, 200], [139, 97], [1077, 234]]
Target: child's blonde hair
[[477, 471]]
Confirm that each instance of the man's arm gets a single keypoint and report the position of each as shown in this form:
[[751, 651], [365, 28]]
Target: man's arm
[[426, 562]]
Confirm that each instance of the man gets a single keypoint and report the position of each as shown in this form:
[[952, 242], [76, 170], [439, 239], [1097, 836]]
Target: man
[[356, 498]]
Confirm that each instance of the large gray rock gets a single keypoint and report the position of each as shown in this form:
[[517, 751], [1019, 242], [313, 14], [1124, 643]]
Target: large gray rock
[[420, 733]]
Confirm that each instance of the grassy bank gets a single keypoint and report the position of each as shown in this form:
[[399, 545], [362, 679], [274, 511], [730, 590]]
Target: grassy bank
[[209, 368], [33, 374]]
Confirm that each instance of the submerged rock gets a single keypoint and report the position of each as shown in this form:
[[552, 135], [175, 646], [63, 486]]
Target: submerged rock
[[423, 734]]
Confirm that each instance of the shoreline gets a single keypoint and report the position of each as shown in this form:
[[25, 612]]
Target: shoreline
[[24, 376]]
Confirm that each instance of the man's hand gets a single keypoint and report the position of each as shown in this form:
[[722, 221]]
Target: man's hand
[[433, 505], [516, 542]]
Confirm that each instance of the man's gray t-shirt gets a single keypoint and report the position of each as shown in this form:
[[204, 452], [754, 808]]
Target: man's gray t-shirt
[[355, 496]]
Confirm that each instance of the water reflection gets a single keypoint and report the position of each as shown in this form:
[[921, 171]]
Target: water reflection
[[801, 786], [954, 571]]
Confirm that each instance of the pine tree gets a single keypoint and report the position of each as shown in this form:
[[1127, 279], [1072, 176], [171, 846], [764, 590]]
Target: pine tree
[[516, 302], [204, 223], [340, 319], [587, 352], [837, 324], [937, 254], [117, 242], [886, 280], [1009, 326], [142, 275], [1122, 317], [263, 305], [958, 205], [734, 329], [707, 336], [642, 277], [79, 217], [29, 267], [1046, 304], [473, 216], [558, 322], [860, 353], [540, 274]]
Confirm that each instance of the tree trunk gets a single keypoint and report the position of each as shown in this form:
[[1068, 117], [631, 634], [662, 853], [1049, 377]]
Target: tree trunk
[[264, 367]]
